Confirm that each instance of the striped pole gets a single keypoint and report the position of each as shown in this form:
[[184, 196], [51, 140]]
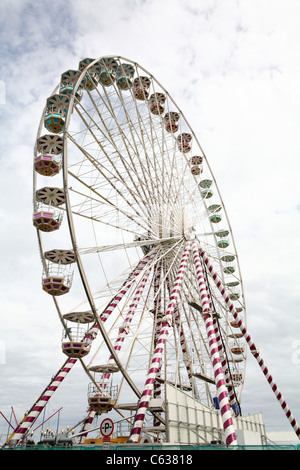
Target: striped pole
[[87, 424], [230, 389], [38, 407], [157, 317], [158, 352], [252, 346], [157, 390], [183, 343], [228, 427], [222, 354]]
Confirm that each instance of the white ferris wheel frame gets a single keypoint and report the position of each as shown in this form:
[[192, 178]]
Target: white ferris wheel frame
[[205, 275]]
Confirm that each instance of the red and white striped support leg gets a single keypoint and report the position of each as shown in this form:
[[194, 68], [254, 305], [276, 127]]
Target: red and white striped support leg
[[230, 436], [158, 352], [251, 344], [230, 390], [87, 424], [36, 410], [183, 343], [157, 317]]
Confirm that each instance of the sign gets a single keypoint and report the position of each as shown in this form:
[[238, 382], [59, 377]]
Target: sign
[[106, 427], [106, 443]]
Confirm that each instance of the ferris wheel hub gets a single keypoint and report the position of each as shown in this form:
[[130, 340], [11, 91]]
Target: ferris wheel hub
[[190, 234]]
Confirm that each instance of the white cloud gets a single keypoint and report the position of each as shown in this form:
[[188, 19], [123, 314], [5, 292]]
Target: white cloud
[[233, 68]]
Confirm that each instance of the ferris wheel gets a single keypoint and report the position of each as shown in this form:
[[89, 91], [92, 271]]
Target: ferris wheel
[[136, 246]]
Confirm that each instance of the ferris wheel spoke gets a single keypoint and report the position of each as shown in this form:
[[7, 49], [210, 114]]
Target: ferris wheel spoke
[[141, 134], [121, 246], [134, 146], [156, 255], [141, 267], [130, 170], [161, 169], [109, 213], [132, 231], [144, 264], [125, 326], [110, 177]]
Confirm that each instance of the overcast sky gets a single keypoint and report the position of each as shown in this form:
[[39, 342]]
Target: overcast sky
[[233, 67]]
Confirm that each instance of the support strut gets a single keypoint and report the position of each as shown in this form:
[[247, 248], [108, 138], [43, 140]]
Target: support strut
[[228, 427], [158, 352], [252, 346]]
